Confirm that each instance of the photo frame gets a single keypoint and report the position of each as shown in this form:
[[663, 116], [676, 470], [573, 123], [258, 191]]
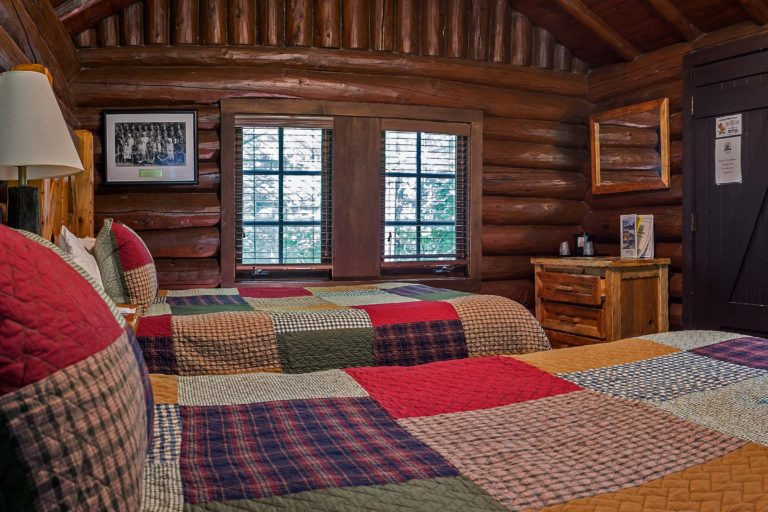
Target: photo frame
[[150, 147]]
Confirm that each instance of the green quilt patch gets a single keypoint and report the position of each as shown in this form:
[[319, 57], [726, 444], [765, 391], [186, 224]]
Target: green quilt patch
[[205, 309], [448, 494], [311, 351]]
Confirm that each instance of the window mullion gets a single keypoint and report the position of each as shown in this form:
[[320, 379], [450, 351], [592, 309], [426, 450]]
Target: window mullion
[[280, 209], [418, 192]]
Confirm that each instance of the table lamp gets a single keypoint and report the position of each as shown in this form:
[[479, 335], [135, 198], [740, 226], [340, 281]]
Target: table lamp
[[35, 142]]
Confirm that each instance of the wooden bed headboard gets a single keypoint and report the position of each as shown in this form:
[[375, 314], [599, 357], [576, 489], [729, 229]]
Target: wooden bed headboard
[[68, 201]]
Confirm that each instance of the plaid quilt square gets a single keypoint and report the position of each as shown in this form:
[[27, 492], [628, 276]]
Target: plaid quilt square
[[460, 385], [413, 290], [158, 354], [687, 340], [229, 342], [541, 452], [277, 448], [200, 291], [281, 304], [739, 409], [747, 351], [361, 297], [663, 378], [245, 388], [207, 304], [311, 351], [297, 321], [495, 325], [418, 343], [274, 293], [166, 441], [162, 489], [409, 312]]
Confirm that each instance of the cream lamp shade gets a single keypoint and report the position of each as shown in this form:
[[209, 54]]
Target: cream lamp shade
[[33, 133]]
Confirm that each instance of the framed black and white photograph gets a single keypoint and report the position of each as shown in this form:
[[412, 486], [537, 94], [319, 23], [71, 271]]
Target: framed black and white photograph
[[150, 147]]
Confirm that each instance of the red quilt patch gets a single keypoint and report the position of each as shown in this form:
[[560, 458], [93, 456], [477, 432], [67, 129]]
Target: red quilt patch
[[50, 316], [409, 312], [132, 251], [274, 293], [457, 385], [154, 326]]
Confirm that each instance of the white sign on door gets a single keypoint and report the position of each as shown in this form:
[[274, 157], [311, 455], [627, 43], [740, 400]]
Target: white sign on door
[[728, 160], [728, 126]]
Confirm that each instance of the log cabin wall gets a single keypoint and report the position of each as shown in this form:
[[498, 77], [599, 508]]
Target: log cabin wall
[[460, 54], [654, 75]]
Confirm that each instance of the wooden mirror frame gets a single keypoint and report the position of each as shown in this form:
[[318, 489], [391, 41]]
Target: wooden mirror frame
[[660, 105]]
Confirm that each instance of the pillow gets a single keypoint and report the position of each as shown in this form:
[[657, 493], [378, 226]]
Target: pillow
[[127, 269], [78, 250], [75, 401]]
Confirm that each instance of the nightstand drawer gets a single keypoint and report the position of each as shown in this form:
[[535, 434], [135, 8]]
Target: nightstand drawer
[[575, 288], [580, 320]]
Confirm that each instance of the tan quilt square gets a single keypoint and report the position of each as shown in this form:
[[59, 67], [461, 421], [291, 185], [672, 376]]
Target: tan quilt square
[[165, 388]]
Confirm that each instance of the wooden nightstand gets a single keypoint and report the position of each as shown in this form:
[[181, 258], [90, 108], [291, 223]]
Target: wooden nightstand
[[580, 301]]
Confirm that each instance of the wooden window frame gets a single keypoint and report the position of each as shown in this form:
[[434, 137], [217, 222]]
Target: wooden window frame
[[347, 116]]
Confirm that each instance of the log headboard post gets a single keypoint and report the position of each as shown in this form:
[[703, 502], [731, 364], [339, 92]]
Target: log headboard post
[[68, 201]]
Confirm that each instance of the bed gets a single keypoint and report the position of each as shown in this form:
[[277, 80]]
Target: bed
[[303, 329], [676, 421]]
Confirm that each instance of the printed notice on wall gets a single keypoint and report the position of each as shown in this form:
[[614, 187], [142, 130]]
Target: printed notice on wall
[[728, 126], [728, 160]]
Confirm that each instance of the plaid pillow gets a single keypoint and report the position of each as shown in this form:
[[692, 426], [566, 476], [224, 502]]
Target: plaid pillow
[[127, 269], [75, 401]]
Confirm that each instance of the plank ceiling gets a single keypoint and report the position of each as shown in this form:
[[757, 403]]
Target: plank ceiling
[[599, 32]]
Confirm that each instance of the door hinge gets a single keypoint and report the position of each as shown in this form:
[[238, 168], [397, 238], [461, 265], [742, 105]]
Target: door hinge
[[693, 222]]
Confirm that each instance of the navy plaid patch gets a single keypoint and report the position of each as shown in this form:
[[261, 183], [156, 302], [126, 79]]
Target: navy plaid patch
[[158, 354], [413, 290], [747, 351], [205, 300], [419, 343], [277, 448]]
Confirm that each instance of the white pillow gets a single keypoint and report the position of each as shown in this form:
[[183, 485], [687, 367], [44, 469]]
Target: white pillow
[[78, 249]]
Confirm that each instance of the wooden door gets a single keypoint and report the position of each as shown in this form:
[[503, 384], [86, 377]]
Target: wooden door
[[726, 239]]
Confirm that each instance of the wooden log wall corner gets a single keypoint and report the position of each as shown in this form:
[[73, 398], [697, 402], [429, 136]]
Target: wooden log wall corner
[[534, 194]]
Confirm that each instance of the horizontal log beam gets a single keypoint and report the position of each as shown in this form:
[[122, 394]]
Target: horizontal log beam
[[182, 243], [675, 17], [519, 290], [628, 137], [525, 240], [507, 181], [146, 86], [612, 158], [90, 12], [640, 199], [539, 132], [667, 222], [507, 267], [146, 211], [351, 61], [757, 10], [676, 316], [537, 156], [600, 28], [676, 285], [532, 210], [208, 117], [188, 272]]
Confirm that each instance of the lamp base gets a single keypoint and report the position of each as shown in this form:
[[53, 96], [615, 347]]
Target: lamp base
[[24, 208]]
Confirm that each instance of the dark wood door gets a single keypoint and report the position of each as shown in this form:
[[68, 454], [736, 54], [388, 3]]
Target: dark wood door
[[727, 224]]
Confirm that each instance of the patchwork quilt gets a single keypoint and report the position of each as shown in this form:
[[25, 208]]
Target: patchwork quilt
[[298, 330], [675, 421]]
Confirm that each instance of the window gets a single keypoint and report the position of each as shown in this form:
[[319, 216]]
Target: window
[[313, 191], [424, 196], [282, 195]]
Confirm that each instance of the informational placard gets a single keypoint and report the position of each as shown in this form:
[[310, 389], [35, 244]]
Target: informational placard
[[728, 160], [728, 126]]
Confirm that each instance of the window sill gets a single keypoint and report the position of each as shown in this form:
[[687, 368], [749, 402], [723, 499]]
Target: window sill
[[455, 283]]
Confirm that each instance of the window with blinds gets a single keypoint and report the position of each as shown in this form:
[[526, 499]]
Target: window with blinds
[[282, 194], [424, 197]]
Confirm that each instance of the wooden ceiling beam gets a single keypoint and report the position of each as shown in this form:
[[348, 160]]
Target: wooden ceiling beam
[[675, 17], [600, 28], [757, 10], [91, 12]]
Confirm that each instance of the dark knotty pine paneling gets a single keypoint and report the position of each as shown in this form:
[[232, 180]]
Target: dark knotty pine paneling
[[480, 30]]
